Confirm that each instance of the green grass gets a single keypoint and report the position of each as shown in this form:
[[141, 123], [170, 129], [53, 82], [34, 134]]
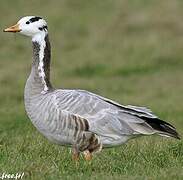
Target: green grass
[[129, 51]]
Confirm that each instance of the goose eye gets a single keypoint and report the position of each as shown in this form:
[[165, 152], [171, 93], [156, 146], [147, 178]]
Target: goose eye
[[43, 28], [40, 28], [27, 22]]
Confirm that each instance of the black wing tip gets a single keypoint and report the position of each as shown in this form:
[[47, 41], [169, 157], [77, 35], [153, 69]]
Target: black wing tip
[[177, 136], [174, 135], [171, 130], [169, 135], [163, 127]]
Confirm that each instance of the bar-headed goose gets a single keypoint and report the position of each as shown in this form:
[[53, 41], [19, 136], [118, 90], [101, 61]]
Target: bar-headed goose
[[78, 118]]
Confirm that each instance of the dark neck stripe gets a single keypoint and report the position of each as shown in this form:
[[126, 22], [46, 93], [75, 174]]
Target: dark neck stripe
[[46, 63]]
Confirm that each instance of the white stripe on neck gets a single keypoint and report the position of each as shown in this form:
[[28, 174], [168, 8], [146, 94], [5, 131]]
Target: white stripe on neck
[[40, 39]]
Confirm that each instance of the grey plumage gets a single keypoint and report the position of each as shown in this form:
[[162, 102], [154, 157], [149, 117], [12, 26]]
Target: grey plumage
[[79, 118], [66, 116]]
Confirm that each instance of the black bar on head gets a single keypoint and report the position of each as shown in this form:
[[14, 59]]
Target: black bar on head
[[34, 19]]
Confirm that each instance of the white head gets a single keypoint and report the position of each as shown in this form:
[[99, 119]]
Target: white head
[[32, 26]]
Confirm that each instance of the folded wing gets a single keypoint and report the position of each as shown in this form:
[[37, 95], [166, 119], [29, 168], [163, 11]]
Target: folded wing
[[108, 118]]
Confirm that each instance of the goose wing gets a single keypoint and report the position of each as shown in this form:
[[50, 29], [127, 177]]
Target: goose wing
[[86, 103], [105, 117]]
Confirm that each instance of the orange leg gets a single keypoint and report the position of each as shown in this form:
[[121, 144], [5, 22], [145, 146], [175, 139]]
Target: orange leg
[[75, 154], [87, 155]]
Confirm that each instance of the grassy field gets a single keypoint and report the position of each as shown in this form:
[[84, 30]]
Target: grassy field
[[129, 51]]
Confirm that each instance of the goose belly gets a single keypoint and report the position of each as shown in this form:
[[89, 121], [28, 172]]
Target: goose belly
[[111, 141]]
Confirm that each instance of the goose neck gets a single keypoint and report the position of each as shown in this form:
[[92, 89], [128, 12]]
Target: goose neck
[[41, 62]]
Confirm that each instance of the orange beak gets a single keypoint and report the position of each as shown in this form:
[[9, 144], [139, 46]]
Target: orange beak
[[14, 29]]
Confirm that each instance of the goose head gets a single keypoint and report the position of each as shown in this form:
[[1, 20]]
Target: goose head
[[32, 26]]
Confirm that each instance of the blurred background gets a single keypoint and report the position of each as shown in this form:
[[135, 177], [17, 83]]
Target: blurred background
[[129, 51]]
